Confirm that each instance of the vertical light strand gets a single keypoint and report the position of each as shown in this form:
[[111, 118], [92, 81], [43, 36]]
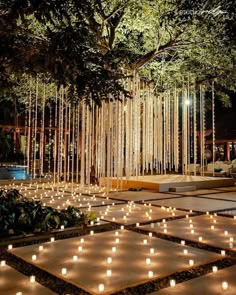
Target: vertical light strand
[[35, 128], [195, 131], [77, 143], [29, 146], [213, 126]]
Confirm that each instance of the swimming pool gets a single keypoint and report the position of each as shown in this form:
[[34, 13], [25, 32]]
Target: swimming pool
[[13, 173]]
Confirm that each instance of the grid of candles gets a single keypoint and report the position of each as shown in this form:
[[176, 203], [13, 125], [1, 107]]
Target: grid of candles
[[110, 259]]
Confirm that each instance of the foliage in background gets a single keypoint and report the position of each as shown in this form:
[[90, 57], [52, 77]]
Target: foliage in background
[[19, 215], [85, 44]]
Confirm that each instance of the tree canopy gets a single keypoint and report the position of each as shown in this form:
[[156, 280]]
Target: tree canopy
[[86, 45]]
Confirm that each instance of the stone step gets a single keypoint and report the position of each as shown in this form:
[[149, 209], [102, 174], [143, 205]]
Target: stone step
[[182, 189]]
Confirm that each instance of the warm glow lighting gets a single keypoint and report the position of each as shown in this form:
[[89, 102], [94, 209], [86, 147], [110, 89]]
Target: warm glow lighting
[[223, 252], [150, 274], [122, 227], [109, 260], [32, 279], [182, 242], [191, 262], [172, 283], [75, 258], [34, 257], [148, 261], [150, 235], [82, 240], [145, 241], [52, 239], [10, 247], [137, 224], [62, 227], [63, 271], [91, 232], [117, 233], [117, 241], [200, 239], [214, 269], [185, 251], [3, 262], [226, 233], [80, 248], [40, 248], [225, 285], [113, 249], [152, 250], [109, 272], [101, 288]]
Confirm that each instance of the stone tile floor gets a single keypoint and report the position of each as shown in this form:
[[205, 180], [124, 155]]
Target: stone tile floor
[[140, 227]]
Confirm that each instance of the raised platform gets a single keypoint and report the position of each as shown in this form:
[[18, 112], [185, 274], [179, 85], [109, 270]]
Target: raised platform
[[162, 183]]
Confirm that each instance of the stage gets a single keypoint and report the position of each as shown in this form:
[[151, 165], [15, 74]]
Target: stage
[[163, 183]]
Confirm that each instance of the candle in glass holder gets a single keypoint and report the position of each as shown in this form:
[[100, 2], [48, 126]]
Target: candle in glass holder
[[172, 283]]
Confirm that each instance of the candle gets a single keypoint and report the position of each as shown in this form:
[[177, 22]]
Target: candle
[[34, 257], [3, 262], [10, 247], [148, 261], [200, 239], [117, 233], [32, 279], [82, 240], [62, 227], [101, 288], [172, 283], [225, 285], [91, 232], [113, 249], [109, 260], [150, 235], [150, 274], [223, 252], [214, 269], [191, 262], [137, 224], [40, 248], [145, 241], [63, 271], [117, 241], [52, 239], [182, 242], [75, 258], [122, 227], [109, 272], [185, 251], [80, 248], [152, 250]]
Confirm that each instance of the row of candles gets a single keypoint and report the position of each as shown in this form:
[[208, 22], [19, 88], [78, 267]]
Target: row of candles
[[101, 287]]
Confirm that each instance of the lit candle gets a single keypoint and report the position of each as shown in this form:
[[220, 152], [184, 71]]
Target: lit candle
[[40, 248], [182, 242], [62, 227], [101, 288], [172, 283], [63, 271], [109, 272], [191, 262], [32, 279], [82, 240], [10, 247], [80, 248], [91, 232], [75, 258], [3, 262], [145, 241], [52, 239], [148, 261], [226, 233], [185, 251], [223, 252], [231, 239], [225, 285], [122, 227], [150, 274], [34, 257], [117, 241], [18, 293], [137, 224], [113, 249], [200, 239], [152, 250], [214, 269], [116, 233], [109, 260]]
